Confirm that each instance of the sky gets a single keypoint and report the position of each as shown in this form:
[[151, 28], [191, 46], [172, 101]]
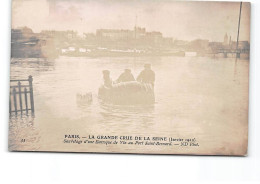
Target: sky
[[180, 20]]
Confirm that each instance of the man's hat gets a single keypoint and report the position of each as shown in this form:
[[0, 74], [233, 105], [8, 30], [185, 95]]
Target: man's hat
[[106, 72], [127, 70]]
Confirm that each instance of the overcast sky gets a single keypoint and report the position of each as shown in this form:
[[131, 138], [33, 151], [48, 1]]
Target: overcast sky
[[180, 20]]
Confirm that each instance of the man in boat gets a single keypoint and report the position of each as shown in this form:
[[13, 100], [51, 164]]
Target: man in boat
[[127, 76], [107, 79], [147, 75]]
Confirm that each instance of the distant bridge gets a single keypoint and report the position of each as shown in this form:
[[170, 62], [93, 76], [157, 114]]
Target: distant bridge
[[225, 52]]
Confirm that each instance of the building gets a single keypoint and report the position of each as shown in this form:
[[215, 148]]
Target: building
[[25, 43], [60, 34], [242, 45], [139, 32], [154, 37], [122, 34], [114, 34], [22, 33]]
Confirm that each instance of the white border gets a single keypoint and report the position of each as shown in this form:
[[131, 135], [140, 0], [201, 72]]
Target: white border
[[104, 168]]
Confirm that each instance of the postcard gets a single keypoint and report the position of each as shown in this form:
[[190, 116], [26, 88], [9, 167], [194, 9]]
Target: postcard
[[121, 76]]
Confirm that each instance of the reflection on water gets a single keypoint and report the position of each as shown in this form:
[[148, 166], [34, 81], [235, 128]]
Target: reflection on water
[[194, 96], [116, 113], [22, 68]]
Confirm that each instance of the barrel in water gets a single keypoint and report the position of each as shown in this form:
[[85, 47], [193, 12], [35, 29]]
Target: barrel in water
[[128, 93]]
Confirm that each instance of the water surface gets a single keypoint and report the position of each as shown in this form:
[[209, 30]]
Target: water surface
[[196, 97]]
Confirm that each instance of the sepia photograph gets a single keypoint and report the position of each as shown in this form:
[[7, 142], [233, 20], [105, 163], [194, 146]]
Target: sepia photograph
[[120, 76]]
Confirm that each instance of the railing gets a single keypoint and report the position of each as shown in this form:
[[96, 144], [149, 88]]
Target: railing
[[19, 101]]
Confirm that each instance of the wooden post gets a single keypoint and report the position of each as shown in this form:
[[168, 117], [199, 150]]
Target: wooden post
[[15, 104], [30, 79], [238, 30], [20, 97], [25, 98]]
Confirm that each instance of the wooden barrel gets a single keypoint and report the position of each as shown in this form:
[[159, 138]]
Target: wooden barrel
[[128, 93]]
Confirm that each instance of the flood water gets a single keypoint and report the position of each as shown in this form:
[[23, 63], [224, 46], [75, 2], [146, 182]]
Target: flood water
[[196, 97]]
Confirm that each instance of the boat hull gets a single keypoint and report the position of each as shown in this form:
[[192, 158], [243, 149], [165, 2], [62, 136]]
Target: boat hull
[[128, 93]]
